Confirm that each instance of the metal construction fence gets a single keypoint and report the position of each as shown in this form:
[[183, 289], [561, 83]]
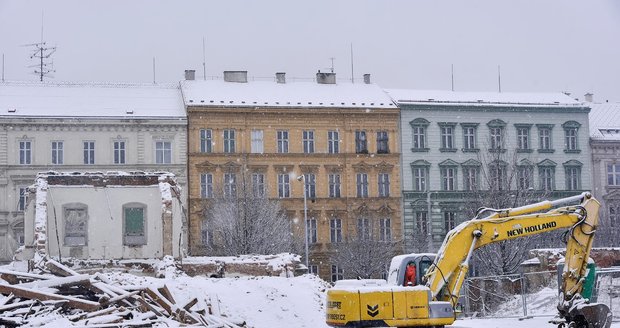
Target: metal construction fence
[[529, 294]]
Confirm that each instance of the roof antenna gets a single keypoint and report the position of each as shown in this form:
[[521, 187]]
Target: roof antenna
[[42, 52], [499, 79], [352, 80], [332, 59], [452, 73], [204, 60], [2, 67], [154, 71]]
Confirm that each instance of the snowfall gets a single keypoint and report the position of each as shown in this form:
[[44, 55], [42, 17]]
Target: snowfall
[[273, 302]]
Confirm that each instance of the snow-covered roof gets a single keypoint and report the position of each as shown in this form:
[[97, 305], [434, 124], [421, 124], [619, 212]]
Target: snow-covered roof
[[605, 121], [53, 99], [290, 94], [409, 96]]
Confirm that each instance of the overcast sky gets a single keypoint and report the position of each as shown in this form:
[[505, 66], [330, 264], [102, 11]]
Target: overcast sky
[[541, 45]]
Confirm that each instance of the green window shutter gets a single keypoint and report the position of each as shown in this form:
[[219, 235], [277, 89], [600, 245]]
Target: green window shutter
[[134, 221]]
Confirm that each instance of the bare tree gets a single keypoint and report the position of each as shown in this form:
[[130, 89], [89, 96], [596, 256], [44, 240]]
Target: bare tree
[[507, 180], [365, 254], [242, 220]]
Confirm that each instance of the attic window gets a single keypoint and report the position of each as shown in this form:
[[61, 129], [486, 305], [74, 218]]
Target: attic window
[[243, 101], [431, 99], [129, 111], [202, 101], [191, 101], [230, 102], [556, 102], [480, 100], [211, 101], [12, 110]]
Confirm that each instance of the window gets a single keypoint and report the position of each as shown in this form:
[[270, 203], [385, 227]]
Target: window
[[363, 229], [57, 152], [310, 185], [447, 136], [421, 223], [420, 177], [206, 140], [229, 141], [470, 178], [312, 234], [134, 225], [498, 177], [337, 273], [572, 172], [525, 177], [544, 138], [282, 137], [284, 187], [258, 185], [335, 229], [308, 141], [469, 136], [76, 224], [230, 185], [25, 152], [523, 137], [119, 152], [570, 136], [449, 221], [573, 178], [21, 203], [385, 229], [205, 234], [547, 176], [361, 146], [614, 214], [418, 131], [334, 185], [257, 142], [496, 134], [333, 142], [163, 152], [496, 138], [362, 185], [613, 174], [448, 178], [313, 269], [382, 142], [89, 152], [206, 185], [384, 185]]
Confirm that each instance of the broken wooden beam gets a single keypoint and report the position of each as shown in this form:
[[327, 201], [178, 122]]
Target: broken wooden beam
[[27, 293]]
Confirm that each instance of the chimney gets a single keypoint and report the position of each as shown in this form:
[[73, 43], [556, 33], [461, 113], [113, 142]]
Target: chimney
[[281, 77], [190, 74], [325, 78], [236, 76], [589, 97], [366, 78]]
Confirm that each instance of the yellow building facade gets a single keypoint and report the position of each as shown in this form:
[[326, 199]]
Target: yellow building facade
[[346, 149]]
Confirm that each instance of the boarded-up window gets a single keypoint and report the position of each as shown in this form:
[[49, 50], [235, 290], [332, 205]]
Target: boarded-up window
[[134, 225], [76, 225]]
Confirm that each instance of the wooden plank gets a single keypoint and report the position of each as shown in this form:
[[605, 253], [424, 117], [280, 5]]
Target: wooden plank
[[72, 302], [150, 307], [190, 304], [83, 280], [59, 268], [167, 294], [121, 297], [160, 300], [25, 274]]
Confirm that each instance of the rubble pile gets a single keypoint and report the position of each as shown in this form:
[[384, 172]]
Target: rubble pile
[[55, 292]]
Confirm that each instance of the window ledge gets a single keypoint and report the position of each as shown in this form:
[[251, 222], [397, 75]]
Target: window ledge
[[497, 150], [572, 151], [470, 150], [524, 150], [420, 150], [546, 150], [448, 150]]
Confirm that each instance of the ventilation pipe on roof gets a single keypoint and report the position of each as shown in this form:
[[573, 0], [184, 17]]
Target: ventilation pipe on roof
[[367, 78], [589, 97], [236, 76], [281, 77], [325, 78], [190, 74]]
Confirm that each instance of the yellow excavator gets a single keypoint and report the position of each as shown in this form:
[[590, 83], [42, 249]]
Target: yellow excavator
[[381, 303]]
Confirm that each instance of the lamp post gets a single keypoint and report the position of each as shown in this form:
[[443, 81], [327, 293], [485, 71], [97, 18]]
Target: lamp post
[[303, 178]]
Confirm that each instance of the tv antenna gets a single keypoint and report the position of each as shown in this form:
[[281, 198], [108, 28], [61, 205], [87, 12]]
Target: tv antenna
[[42, 52], [332, 59]]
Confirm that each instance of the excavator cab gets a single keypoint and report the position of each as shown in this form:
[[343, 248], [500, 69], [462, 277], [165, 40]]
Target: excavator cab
[[398, 268]]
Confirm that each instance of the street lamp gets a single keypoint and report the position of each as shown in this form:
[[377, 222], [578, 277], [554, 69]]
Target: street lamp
[[300, 178]]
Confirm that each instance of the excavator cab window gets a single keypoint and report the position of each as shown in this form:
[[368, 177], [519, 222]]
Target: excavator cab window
[[423, 266]]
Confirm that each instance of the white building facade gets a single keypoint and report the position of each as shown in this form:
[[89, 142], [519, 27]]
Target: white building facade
[[458, 145], [72, 127]]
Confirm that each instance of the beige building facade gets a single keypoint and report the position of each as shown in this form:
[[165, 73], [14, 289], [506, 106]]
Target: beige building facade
[[343, 140]]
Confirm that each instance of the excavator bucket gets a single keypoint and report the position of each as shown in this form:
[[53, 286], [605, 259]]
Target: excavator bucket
[[579, 313]]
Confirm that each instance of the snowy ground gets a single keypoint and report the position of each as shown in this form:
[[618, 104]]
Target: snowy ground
[[273, 302]]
